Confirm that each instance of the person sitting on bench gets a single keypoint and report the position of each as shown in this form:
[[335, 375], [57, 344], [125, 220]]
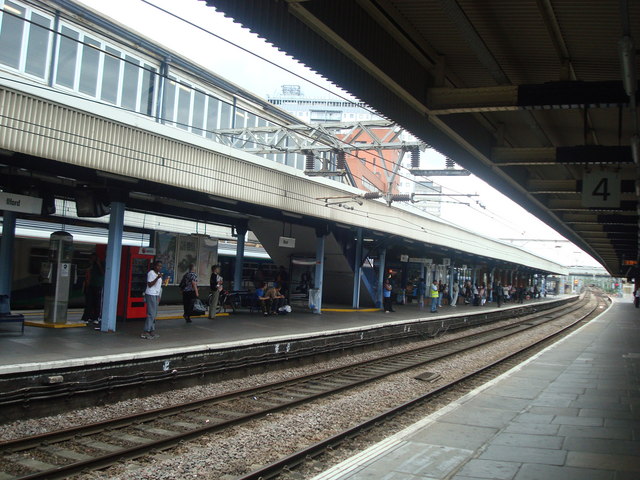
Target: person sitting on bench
[[272, 300]]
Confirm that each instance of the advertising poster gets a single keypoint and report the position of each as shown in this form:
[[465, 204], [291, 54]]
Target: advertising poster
[[187, 254], [207, 257], [166, 253]]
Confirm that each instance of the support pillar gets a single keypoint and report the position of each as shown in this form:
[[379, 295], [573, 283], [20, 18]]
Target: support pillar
[[382, 261], [237, 273], [319, 269], [112, 267], [6, 254], [357, 270]]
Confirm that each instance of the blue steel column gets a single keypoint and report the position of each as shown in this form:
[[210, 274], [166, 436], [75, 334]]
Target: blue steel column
[[319, 270], [382, 261], [237, 274], [6, 253], [112, 267], [357, 269]]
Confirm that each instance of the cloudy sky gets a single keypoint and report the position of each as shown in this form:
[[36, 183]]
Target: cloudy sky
[[205, 36]]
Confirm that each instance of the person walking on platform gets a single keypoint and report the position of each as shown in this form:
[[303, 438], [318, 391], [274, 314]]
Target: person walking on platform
[[386, 296], [498, 290], [152, 298], [434, 296], [189, 291], [636, 297], [454, 295], [215, 281]]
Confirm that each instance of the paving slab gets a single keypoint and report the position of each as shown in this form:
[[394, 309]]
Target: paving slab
[[490, 469], [510, 453], [551, 472], [526, 440], [459, 436], [604, 446], [613, 433]]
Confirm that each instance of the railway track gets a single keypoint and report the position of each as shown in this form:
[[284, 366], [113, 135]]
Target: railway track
[[62, 453], [295, 460]]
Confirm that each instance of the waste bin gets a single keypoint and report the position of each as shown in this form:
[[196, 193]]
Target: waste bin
[[314, 298]]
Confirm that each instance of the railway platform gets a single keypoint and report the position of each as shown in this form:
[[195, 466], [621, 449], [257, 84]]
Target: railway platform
[[569, 413], [50, 349]]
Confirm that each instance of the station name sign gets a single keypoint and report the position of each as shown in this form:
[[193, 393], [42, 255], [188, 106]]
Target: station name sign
[[287, 242], [20, 203]]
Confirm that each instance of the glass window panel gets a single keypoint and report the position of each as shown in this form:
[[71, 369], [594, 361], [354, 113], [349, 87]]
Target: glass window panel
[[241, 118], [111, 75], [11, 34], [67, 55], [212, 115], [148, 88], [198, 112], [169, 102], [225, 115], [38, 46], [262, 122], [89, 66], [289, 159], [184, 105], [130, 83], [252, 120]]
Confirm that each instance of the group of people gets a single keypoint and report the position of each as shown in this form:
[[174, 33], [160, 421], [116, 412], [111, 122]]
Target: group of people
[[438, 293], [271, 299], [190, 293]]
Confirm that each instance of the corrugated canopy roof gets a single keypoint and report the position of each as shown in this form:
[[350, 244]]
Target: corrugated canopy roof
[[528, 95]]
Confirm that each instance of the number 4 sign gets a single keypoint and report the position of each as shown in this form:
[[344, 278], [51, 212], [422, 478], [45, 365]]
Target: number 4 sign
[[601, 189]]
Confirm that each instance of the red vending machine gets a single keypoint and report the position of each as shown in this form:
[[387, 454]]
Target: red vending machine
[[136, 262], [134, 265]]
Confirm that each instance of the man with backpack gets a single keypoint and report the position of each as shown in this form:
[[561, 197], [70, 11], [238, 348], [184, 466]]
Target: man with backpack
[[189, 287]]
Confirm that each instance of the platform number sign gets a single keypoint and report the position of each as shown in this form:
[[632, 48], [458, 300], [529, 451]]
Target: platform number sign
[[601, 189]]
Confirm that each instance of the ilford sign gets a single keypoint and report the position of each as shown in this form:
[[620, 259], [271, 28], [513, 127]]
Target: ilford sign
[[20, 203]]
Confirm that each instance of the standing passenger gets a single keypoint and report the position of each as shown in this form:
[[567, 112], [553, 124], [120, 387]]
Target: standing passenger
[[434, 296], [386, 295], [152, 298], [94, 286], [454, 295], [215, 281], [189, 292]]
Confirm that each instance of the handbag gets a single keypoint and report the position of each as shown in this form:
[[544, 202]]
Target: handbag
[[197, 307]]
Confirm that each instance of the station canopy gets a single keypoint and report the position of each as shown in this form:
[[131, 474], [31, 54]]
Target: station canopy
[[536, 97]]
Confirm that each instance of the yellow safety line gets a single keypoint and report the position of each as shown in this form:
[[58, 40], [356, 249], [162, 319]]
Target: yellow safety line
[[54, 325], [350, 309]]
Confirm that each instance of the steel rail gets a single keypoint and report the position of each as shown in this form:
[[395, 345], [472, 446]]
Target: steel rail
[[313, 387], [297, 458]]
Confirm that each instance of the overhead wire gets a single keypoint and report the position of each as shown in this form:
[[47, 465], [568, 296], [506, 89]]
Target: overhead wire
[[371, 152]]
